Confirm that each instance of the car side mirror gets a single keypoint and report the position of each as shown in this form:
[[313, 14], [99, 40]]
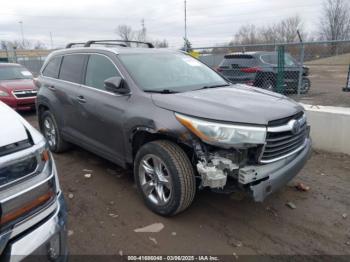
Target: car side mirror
[[116, 85]]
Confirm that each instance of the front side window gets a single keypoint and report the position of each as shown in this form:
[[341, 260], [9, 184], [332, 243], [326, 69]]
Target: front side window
[[14, 72], [99, 68], [53, 67], [72, 68], [175, 72]]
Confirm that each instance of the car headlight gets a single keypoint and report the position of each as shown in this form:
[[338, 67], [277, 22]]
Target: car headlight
[[223, 134], [3, 93]]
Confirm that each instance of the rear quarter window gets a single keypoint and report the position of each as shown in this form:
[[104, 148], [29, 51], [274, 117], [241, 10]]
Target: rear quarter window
[[72, 68], [53, 67]]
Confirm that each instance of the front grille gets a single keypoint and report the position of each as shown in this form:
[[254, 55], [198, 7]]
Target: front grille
[[24, 93], [15, 147], [280, 144]]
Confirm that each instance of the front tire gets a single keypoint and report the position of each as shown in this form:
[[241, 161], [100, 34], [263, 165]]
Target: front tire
[[306, 84], [164, 177], [51, 132]]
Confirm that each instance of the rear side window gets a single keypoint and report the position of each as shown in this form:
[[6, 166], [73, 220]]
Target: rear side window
[[72, 68], [99, 68], [53, 67]]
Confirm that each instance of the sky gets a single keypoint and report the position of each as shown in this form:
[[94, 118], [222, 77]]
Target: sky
[[209, 22]]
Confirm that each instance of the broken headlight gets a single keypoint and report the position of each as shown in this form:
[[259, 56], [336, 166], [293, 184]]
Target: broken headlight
[[221, 134]]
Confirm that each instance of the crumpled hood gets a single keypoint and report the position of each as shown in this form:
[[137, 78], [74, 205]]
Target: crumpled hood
[[238, 103], [13, 127], [18, 84]]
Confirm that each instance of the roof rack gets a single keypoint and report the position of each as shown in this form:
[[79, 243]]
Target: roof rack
[[108, 42], [72, 44]]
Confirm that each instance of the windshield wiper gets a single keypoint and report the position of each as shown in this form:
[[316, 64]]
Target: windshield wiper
[[162, 91], [213, 86]]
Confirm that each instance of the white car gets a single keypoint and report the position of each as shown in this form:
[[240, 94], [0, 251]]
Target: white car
[[33, 214]]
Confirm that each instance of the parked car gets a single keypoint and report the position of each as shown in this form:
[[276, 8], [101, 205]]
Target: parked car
[[175, 121], [260, 69], [17, 88], [33, 214]]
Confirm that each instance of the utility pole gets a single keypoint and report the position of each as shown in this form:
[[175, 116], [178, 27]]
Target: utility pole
[[22, 34], [51, 40], [143, 30], [185, 26]]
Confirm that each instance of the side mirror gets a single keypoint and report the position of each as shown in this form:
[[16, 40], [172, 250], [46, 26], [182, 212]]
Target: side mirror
[[115, 84]]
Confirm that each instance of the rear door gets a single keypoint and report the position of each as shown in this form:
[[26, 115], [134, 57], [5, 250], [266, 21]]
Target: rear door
[[68, 90], [102, 112], [291, 68], [239, 68]]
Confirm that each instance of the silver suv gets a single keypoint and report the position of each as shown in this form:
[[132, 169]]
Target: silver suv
[[33, 214]]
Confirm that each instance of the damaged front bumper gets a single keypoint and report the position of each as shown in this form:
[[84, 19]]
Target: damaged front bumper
[[258, 180], [284, 171]]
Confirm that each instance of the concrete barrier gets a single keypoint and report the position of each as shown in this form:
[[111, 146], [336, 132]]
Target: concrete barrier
[[330, 128]]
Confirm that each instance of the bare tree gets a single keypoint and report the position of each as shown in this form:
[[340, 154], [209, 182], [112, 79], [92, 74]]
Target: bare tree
[[335, 20], [161, 44], [125, 32], [39, 45], [3, 45], [286, 30], [247, 34]]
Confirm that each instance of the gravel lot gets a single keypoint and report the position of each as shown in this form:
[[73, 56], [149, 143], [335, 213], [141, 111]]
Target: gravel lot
[[105, 209], [327, 82]]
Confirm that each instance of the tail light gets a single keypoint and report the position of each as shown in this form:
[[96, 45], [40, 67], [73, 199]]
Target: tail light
[[250, 70]]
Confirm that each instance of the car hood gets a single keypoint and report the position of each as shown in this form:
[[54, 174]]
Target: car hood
[[238, 103], [18, 84], [14, 128]]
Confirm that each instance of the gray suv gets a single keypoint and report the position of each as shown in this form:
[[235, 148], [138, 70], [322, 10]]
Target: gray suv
[[260, 69], [179, 124]]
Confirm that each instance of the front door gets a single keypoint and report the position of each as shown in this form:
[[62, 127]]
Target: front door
[[102, 112]]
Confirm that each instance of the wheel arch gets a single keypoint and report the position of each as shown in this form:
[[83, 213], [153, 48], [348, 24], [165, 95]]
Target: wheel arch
[[143, 135]]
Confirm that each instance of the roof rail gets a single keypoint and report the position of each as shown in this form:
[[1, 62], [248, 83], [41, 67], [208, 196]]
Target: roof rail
[[108, 42], [72, 44]]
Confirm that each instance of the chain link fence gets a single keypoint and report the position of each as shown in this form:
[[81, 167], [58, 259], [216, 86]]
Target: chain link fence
[[310, 72], [31, 59]]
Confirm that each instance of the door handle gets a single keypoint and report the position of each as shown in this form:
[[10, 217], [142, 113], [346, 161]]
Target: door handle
[[51, 87], [81, 99]]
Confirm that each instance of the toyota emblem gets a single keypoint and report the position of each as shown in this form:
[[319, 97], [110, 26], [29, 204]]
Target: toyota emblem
[[295, 127]]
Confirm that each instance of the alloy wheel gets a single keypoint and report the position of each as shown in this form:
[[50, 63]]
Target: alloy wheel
[[155, 179]]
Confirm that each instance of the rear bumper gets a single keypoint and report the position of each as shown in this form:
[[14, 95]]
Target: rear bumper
[[282, 175], [47, 240], [20, 103]]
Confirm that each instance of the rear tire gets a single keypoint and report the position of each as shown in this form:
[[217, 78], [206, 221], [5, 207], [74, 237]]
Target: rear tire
[[164, 177], [52, 133], [268, 85]]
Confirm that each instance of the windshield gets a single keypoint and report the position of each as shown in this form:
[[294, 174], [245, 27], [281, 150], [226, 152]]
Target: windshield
[[14, 72], [175, 72], [273, 59]]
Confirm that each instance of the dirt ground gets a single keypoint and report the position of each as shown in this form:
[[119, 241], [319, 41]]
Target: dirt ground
[[105, 209], [327, 82]]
